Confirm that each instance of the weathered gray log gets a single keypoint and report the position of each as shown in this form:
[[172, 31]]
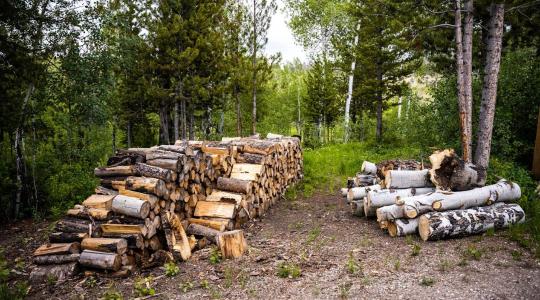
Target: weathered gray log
[[376, 199], [398, 179], [169, 164], [155, 172], [185, 149], [56, 259], [456, 223], [100, 260], [114, 171], [67, 237], [234, 185], [402, 227], [134, 241], [58, 273], [200, 230], [100, 190], [131, 206], [449, 172], [115, 245]]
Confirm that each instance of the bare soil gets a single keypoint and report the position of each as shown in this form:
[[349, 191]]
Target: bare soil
[[339, 255]]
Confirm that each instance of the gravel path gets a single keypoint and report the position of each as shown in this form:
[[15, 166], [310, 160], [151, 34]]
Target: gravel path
[[339, 255]]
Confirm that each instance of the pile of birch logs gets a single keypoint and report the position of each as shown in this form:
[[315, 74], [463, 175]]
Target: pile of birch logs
[[161, 203], [446, 199]]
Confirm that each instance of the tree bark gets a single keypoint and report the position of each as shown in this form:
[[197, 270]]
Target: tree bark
[[56, 259], [462, 99], [350, 88], [131, 206], [396, 179], [359, 193], [376, 199], [100, 260], [449, 172], [455, 223], [489, 90], [254, 111], [176, 121], [467, 75], [379, 99], [164, 123], [402, 227]]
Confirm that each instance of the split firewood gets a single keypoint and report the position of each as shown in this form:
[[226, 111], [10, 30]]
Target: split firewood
[[215, 209], [152, 199], [100, 260], [217, 224], [89, 213], [449, 172], [115, 245], [56, 259], [232, 244], [123, 229], [99, 201], [455, 223], [60, 248], [397, 179]]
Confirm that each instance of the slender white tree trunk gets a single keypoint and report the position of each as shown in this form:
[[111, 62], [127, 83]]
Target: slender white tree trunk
[[399, 108], [350, 89], [175, 112], [254, 111]]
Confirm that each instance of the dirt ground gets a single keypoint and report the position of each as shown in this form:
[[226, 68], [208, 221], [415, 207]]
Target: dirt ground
[[339, 255]]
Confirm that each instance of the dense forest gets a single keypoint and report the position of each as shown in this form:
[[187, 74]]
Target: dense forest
[[80, 79]]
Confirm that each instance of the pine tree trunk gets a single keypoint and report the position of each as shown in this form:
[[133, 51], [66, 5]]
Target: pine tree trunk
[[489, 90], [183, 116], [379, 98], [191, 124], [163, 123], [462, 100], [175, 114], [129, 134]]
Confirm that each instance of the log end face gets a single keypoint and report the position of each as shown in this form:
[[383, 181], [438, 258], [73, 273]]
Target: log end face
[[423, 228]]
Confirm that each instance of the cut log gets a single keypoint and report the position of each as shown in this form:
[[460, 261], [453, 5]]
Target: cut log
[[396, 179], [99, 201], [100, 190], [368, 168], [100, 260], [169, 164], [56, 259], [456, 223], [60, 248], [145, 184], [402, 227], [134, 241], [115, 245], [66, 237], [357, 207], [162, 154], [247, 168], [90, 213], [219, 225], [152, 199], [232, 244], [358, 193], [184, 149], [251, 158], [176, 237], [155, 172], [361, 180], [390, 212], [225, 197], [114, 171], [376, 199], [123, 229], [215, 209], [130, 206], [234, 185], [449, 172], [344, 192], [203, 231], [58, 273], [245, 176]]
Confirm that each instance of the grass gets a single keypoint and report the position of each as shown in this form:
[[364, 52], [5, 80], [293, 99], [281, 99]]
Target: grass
[[288, 270], [427, 281]]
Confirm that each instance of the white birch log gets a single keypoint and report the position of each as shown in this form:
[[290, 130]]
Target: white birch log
[[389, 213], [344, 192], [131, 206], [503, 191], [368, 168], [404, 179], [358, 193], [376, 199], [456, 223], [449, 172], [402, 227]]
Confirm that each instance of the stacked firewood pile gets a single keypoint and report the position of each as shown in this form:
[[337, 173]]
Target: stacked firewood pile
[[447, 199], [161, 203]]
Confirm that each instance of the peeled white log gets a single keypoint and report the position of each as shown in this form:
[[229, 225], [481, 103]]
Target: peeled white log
[[402, 227], [456, 223], [131, 206], [449, 172], [503, 191], [376, 199], [358, 193], [368, 168], [398, 179]]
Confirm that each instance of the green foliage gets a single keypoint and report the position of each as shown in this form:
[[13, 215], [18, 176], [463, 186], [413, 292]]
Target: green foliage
[[215, 256], [516, 255], [112, 294], [288, 270], [313, 234], [473, 252], [186, 286], [17, 291], [415, 249], [427, 281], [171, 269], [143, 286], [353, 267]]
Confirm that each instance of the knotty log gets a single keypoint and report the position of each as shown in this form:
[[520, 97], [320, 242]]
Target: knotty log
[[130, 206], [59, 248], [203, 231], [100, 260], [155, 172], [89, 213], [146, 184], [114, 171], [99, 201], [59, 273], [56, 259], [502, 191], [100, 190], [169, 164], [67, 237], [376, 199], [232, 244], [215, 209], [358, 193], [251, 158], [216, 224], [397, 179], [72, 225], [368, 168], [402, 227], [449, 172], [115, 245], [456, 223], [234, 185]]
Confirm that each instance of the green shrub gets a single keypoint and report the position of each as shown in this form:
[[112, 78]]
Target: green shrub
[[288, 270], [171, 269]]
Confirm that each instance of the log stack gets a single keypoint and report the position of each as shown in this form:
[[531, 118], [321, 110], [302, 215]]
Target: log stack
[[175, 198], [446, 200]]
